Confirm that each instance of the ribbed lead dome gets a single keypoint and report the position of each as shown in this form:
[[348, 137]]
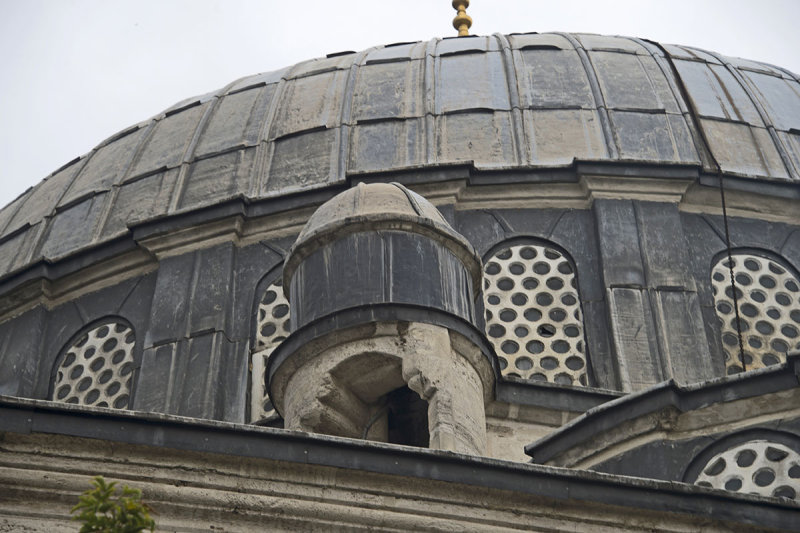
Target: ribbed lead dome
[[499, 102], [379, 207]]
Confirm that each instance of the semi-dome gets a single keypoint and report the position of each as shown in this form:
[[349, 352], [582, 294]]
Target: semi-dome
[[523, 101]]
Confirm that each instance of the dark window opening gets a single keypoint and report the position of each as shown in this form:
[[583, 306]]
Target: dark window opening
[[407, 418]]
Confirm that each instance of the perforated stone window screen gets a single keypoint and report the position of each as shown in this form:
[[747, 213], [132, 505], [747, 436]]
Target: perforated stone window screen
[[756, 467], [769, 310], [271, 329], [533, 314], [97, 369]]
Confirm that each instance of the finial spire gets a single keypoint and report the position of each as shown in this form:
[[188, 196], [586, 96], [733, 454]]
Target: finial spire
[[462, 22]]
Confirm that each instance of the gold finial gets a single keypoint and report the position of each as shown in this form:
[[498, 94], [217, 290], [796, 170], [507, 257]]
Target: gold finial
[[462, 22]]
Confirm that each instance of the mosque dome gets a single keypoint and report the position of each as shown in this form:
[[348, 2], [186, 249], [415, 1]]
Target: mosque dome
[[578, 251], [520, 103]]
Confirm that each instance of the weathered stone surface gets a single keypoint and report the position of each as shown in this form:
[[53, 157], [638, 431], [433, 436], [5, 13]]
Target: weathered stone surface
[[20, 364], [339, 391], [619, 243]]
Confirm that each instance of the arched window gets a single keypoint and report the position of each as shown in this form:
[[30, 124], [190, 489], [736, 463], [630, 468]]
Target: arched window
[[97, 367], [768, 294], [272, 327], [533, 314], [755, 467]]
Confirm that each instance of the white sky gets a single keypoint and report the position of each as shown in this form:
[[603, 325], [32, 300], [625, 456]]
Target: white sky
[[75, 72]]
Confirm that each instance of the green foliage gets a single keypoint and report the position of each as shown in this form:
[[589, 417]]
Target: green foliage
[[102, 510]]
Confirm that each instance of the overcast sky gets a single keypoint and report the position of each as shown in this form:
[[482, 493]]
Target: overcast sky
[[77, 71]]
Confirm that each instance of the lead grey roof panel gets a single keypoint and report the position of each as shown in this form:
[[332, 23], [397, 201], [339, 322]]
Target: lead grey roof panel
[[398, 52], [553, 78], [236, 120], [388, 90], [41, 202], [265, 78], [310, 102], [715, 92], [171, 138], [500, 102], [780, 97], [628, 84], [106, 167], [470, 81]]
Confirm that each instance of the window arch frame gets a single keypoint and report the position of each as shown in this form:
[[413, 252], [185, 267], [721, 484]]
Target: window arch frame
[[136, 356], [267, 280], [702, 458], [525, 239], [719, 325]]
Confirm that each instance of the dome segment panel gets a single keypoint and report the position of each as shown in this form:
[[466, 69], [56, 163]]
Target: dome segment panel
[[735, 117], [236, 121], [470, 77], [396, 52], [140, 200], [106, 166], [644, 114], [560, 113], [40, 202], [632, 82], [222, 177], [303, 161], [388, 90], [550, 73], [73, 229], [258, 80], [715, 93], [171, 138], [314, 101], [611, 43]]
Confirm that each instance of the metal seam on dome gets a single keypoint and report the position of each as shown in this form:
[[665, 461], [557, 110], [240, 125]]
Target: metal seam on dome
[[37, 243], [512, 85], [791, 75], [597, 94], [692, 110], [664, 62], [429, 88], [27, 194], [411, 199], [345, 115], [265, 149], [791, 171], [111, 197], [188, 153]]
